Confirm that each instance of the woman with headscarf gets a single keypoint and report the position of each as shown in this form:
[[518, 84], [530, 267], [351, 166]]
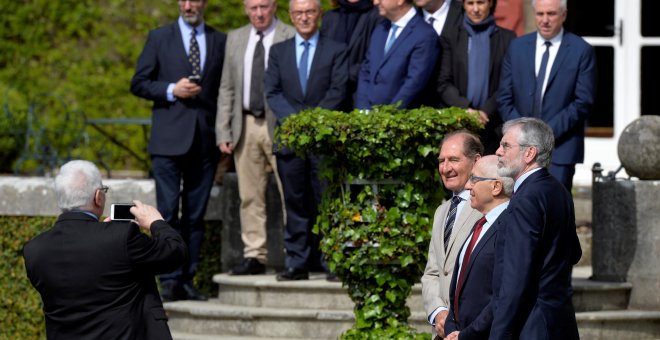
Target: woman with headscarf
[[470, 69], [351, 23]]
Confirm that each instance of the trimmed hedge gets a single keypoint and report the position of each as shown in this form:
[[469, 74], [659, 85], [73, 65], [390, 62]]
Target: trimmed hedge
[[21, 315]]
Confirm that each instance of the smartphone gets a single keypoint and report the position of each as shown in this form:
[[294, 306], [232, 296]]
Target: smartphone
[[121, 212], [195, 79]]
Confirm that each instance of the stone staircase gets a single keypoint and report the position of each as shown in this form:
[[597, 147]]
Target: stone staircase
[[258, 307]]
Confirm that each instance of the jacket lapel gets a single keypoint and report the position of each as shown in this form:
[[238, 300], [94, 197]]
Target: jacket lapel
[[563, 51]]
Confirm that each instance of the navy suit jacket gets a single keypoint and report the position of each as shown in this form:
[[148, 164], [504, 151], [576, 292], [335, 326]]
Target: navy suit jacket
[[164, 61], [535, 251], [96, 279], [475, 313], [326, 83], [568, 97], [402, 73]]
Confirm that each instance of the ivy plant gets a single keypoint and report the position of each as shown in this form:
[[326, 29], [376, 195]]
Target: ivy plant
[[380, 167]]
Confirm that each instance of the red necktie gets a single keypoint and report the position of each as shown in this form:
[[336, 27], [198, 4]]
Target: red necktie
[[466, 260]]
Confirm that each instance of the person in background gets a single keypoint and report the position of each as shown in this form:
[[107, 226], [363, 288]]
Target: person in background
[[470, 293], [400, 59], [303, 72], [97, 279], [444, 16], [179, 69], [351, 23], [245, 124], [536, 250], [452, 222], [550, 74], [470, 72]]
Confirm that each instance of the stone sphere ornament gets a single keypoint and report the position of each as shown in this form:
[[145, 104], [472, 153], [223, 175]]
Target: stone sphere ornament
[[639, 148]]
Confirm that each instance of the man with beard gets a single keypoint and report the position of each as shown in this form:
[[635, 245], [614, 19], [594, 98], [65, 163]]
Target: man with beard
[[537, 246], [179, 70]]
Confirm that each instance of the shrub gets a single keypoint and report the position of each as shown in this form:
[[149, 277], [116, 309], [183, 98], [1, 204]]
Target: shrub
[[376, 214]]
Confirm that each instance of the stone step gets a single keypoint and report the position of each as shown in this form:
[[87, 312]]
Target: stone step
[[317, 293], [193, 320], [215, 318], [620, 325]]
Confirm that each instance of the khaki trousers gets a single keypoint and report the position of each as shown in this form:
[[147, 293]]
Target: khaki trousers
[[254, 158]]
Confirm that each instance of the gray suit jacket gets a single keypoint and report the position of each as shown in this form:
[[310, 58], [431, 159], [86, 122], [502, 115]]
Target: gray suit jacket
[[440, 267], [229, 119]]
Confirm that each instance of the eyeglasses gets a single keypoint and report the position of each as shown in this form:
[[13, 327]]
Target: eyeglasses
[[104, 188], [476, 179], [308, 13], [506, 146], [192, 2]]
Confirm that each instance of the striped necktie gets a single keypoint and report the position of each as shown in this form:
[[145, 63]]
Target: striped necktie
[[451, 217]]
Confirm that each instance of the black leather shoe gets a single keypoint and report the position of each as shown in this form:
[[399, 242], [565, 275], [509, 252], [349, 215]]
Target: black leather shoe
[[192, 294], [170, 291], [249, 266], [291, 274], [332, 277]]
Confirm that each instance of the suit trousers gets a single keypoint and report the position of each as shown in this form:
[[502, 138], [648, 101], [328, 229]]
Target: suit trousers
[[252, 156], [563, 173], [302, 194], [187, 179]]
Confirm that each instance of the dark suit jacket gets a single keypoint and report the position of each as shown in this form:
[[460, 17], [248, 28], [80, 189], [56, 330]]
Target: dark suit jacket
[[402, 73], [164, 61], [96, 279], [454, 20], [568, 98], [475, 313], [534, 255], [326, 83]]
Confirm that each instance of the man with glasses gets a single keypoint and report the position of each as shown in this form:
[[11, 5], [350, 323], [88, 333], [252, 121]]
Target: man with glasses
[[179, 70], [470, 292], [452, 223], [96, 279], [303, 72], [536, 250]]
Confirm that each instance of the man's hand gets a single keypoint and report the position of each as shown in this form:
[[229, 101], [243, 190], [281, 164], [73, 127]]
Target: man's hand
[[227, 148], [145, 214], [483, 117], [452, 336], [440, 322], [185, 88]]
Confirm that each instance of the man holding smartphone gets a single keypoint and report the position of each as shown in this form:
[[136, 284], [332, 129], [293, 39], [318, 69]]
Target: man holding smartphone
[[96, 279], [179, 70]]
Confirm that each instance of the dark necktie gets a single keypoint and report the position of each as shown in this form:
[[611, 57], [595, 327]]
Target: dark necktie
[[392, 38], [431, 20], [302, 67], [451, 217], [540, 78], [193, 57], [466, 260], [257, 78]]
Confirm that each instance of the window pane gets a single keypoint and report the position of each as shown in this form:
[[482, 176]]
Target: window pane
[[602, 114], [650, 27], [650, 71], [590, 18]]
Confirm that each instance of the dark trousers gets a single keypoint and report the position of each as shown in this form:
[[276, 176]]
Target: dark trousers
[[187, 179], [302, 194], [563, 173]]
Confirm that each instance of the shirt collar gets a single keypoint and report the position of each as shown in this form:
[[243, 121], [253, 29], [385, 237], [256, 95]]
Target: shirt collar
[[494, 213], [523, 177], [270, 29], [464, 195], [313, 41], [540, 41], [406, 18], [187, 28], [439, 13]]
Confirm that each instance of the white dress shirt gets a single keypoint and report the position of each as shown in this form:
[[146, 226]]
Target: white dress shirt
[[540, 49], [439, 16], [269, 33]]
